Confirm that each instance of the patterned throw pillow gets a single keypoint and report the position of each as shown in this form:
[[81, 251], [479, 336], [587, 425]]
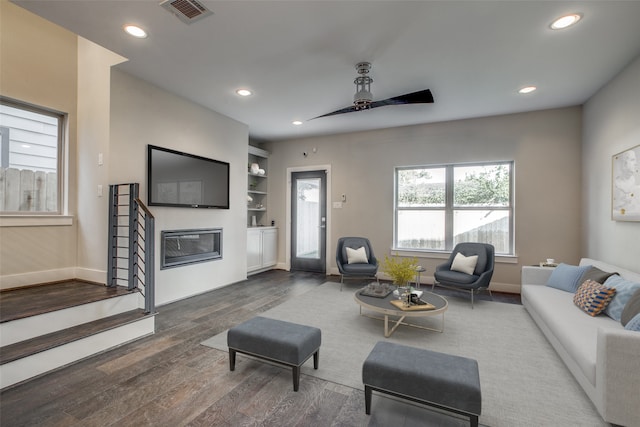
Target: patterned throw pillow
[[593, 297]]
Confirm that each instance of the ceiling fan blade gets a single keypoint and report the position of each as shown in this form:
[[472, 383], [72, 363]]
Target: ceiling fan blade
[[340, 111], [420, 97]]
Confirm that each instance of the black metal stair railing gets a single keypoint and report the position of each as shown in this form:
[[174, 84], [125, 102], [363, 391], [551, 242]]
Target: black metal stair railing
[[131, 260]]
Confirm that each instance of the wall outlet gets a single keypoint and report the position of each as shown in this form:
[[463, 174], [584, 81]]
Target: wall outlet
[[99, 190], [337, 205]]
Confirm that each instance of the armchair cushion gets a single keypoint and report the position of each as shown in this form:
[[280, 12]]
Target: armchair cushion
[[464, 264], [357, 256], [456, 277]]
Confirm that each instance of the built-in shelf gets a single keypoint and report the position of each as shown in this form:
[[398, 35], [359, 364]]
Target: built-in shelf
[[257, 188], [262, 239]]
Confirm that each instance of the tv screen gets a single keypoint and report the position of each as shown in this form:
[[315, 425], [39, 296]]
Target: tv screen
[[186, 180]]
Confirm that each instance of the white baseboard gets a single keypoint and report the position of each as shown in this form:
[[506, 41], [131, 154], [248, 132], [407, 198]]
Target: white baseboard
[[428, 280], [34, 277], [90, 275]]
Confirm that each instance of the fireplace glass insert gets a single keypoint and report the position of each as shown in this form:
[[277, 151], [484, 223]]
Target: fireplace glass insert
[[180, 247]]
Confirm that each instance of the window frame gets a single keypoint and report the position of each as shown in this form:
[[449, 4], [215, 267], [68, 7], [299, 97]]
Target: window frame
[[9, 217], [449, 207]]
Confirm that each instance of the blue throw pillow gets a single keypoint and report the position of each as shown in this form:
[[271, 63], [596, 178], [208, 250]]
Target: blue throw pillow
[[567, 277], [624, 290], [634, 324]]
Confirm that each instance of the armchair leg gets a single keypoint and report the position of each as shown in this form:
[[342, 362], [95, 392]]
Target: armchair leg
[[341, 281]]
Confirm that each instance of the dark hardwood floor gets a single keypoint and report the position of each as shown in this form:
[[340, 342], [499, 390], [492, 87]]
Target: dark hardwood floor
[[28, 301], [169, 379]]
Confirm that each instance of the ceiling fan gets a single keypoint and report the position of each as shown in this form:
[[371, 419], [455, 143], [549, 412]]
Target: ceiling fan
[[363, 99]]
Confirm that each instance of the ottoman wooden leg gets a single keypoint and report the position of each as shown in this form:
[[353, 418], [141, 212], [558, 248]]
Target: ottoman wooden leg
[[232, 359], [296, 377], [367, 400], [316, 359]]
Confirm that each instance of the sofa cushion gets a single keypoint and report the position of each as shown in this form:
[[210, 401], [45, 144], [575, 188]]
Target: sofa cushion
[[595, 274], [624, 290], [357, 256], [576, 333], [631, 309], [567, 277], [593, 297], [634, 324]]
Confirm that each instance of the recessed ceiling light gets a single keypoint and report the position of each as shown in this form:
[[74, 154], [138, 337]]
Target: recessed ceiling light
[[566, 21], [244, 92], [527, 89], [296, 122], [135, 31]]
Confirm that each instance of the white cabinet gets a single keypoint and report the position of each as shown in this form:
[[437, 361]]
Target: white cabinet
[[262, 248]]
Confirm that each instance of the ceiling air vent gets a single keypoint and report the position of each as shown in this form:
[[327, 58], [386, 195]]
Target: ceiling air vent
[[188, 11]]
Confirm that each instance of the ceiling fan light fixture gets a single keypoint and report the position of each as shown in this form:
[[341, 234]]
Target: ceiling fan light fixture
[[296, 122], [566, 21], [363, 97]]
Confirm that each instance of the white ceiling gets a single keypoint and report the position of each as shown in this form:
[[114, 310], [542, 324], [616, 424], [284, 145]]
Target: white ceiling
[[298, 57]]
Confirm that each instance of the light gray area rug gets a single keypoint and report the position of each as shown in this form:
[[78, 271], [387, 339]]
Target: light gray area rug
[[524, 382]]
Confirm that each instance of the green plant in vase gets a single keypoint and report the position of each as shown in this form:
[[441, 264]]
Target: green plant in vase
[[401, 270]]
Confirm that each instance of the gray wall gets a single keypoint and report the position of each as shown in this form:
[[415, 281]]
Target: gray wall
[[611, 125], [545, 146]]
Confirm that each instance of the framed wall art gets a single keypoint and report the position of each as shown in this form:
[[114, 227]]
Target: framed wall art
[[625, 191]]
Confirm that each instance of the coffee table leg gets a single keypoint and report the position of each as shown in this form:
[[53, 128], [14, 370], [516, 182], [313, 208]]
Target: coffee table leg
[[386, 326], [387, 332]]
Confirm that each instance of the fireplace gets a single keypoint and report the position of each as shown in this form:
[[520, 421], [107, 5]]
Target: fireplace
[[181, 247]]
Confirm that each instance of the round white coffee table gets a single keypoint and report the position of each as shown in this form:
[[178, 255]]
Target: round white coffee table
[[384, 307]]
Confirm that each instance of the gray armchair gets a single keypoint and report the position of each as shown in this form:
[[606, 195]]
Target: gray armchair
[[360, 269], [482, 273]]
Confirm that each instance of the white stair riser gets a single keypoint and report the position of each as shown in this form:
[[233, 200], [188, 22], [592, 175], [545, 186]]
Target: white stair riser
[[31, 327], [40, 363]]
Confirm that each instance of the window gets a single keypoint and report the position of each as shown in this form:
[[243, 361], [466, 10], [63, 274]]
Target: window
[[437, 207], [30, 158]]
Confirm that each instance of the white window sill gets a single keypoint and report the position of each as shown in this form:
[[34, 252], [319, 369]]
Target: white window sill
[[504, 259], [35, 220]]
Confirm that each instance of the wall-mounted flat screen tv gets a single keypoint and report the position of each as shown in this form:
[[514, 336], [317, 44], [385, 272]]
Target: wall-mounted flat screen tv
[[186, 180]]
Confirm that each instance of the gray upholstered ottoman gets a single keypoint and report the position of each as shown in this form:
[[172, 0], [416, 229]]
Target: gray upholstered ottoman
[[441, 380], [286, 343]]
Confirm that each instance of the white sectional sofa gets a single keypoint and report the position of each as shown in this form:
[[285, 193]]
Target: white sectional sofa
[[602, 356]]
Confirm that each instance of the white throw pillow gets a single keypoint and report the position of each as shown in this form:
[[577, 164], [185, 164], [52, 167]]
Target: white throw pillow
[[464, 264], [357, 256]]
